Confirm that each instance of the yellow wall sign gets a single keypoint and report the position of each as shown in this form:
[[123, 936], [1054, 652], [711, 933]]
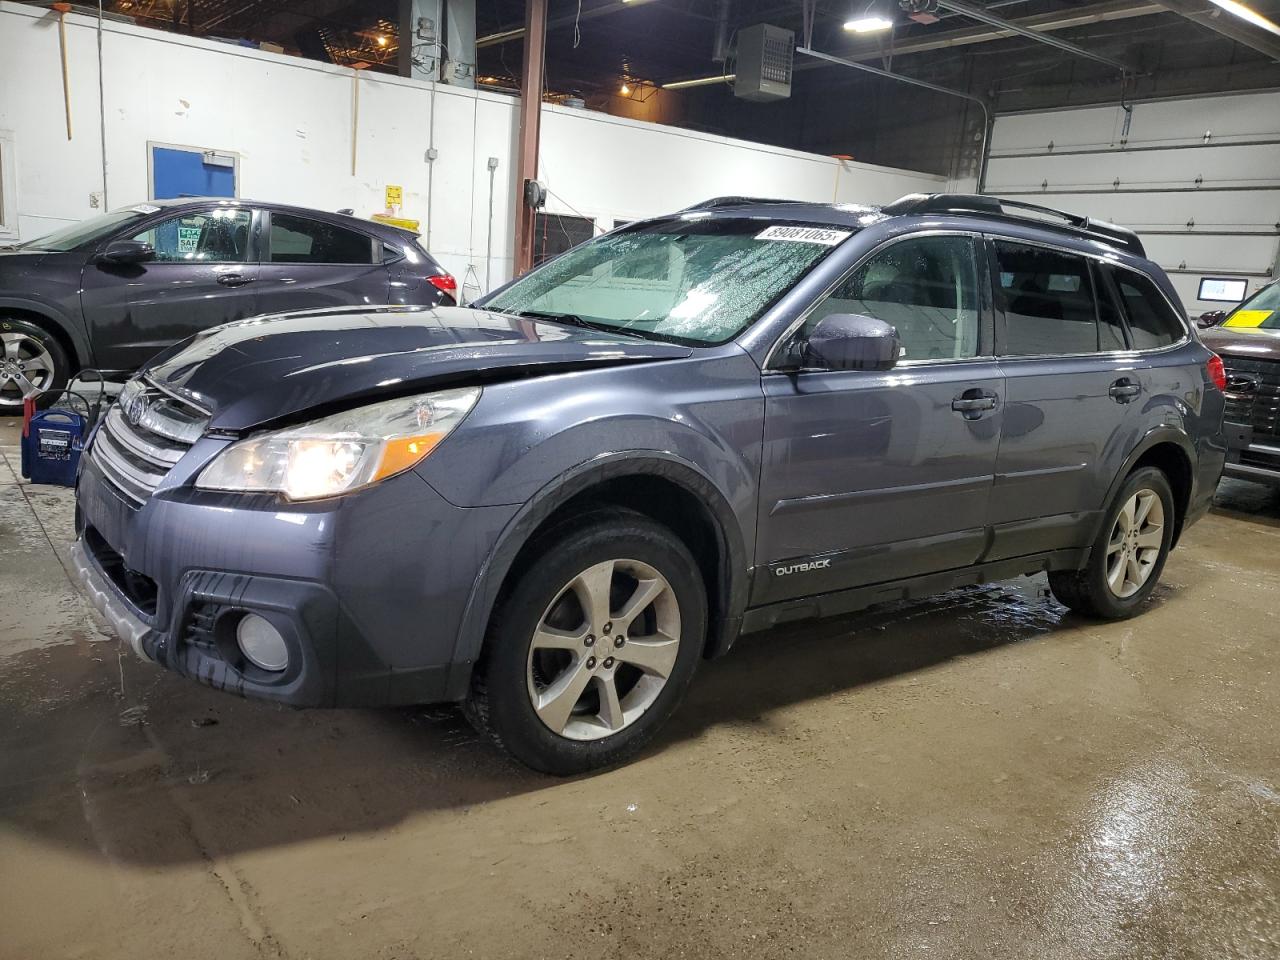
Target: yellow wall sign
[[1248, 318], [395, 195]]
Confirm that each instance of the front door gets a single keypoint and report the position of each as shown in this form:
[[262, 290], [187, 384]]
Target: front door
[[1071, 386], [308, 264], [203, 274], [868, 476]]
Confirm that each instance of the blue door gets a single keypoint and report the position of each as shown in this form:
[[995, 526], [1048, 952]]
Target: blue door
[[184, 173]]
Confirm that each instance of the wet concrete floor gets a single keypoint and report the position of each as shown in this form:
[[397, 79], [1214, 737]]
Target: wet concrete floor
[[979, 775]]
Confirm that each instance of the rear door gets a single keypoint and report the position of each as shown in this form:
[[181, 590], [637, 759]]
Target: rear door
[[309, 263], [1071, 386], [203, 274], [871, 476]]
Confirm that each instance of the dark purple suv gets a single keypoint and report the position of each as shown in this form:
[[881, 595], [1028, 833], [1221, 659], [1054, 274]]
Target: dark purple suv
[[111, 291]]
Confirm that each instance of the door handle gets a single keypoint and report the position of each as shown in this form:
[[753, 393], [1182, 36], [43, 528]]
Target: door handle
[[1124, 390], [972, 403], [234, 279]]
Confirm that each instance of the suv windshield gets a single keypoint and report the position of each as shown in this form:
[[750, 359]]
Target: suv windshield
[[86, 231], [1262, 312], [691, 280]]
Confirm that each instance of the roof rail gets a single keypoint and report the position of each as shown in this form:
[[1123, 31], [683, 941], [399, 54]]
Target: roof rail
[[919, 203], [734, 202]]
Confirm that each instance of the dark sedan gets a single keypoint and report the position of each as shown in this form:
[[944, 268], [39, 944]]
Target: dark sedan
[[1249, 343], [111, 291]]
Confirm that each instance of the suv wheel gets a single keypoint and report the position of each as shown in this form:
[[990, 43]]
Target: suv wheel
[[1127, 559], [30, 358], [593, 648]]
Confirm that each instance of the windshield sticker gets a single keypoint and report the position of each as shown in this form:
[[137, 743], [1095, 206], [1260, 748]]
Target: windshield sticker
[[1248, 318], [828, 238], [144, 208]]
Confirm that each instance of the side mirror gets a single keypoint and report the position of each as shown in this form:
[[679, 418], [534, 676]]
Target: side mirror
[[850, 341], [127, 251], [1211, 319]]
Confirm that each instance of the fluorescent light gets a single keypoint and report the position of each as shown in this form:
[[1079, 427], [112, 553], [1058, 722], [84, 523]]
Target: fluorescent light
[[872, 24], [1252, 16], [700, 82]]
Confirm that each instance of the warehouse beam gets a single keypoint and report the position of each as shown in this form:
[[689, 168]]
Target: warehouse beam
[[1213, 17], [535, 44], [982, 15]]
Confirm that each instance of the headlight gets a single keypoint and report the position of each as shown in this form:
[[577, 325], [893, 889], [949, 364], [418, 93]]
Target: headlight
[[340, 453]]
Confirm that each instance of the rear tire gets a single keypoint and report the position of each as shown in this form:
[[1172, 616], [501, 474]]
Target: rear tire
[[30, 356], [1129, 555], [556, 687]]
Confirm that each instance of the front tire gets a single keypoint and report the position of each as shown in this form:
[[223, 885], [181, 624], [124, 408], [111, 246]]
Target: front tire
[[30, 357], [1129, 555], [593, 648]]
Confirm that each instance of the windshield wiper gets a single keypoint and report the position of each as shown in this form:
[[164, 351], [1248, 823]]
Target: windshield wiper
[[570, 318]]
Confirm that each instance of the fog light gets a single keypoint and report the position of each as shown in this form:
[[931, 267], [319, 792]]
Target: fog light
[[261, 643]]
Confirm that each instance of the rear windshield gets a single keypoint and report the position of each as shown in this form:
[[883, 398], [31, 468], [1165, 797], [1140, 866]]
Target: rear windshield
[[688, 280], [1262, 312]]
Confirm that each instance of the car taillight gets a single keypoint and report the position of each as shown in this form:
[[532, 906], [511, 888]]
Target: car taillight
[[445, 282], [1217, 372]]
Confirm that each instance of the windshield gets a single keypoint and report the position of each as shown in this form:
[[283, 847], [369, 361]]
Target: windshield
[[697, 281], [86, 231], [1262, 312]]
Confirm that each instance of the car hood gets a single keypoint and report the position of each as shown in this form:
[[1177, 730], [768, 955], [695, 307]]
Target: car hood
[[280, 367], [1257, 344]]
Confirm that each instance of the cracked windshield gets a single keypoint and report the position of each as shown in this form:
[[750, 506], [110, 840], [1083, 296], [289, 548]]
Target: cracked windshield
[[691, 281]]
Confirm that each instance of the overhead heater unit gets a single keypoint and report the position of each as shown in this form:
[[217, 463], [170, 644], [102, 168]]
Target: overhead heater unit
[[764, 59]]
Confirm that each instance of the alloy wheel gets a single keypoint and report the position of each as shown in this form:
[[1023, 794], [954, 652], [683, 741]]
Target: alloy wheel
[[1133, 548], [25, 367], [603, 649]]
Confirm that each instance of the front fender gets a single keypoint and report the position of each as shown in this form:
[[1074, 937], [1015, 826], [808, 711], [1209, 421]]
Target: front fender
[[732, 590]]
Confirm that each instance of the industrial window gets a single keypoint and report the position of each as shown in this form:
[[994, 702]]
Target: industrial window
[[1048, 302], [554, 234], [926, 287], [210, 236], [299, 240], [1152, 322]]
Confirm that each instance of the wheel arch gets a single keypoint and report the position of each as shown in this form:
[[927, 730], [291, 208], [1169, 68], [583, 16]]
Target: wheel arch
[[71, 339], [1172, 451], [657, 484]]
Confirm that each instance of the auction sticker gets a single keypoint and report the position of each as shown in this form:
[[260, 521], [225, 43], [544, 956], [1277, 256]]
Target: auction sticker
[[828, 238]]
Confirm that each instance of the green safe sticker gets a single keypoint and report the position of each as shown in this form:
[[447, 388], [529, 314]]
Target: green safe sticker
[[188, 239]]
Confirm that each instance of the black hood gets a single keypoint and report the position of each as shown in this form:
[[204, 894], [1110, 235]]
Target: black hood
[[1253, 344], [265, 369]]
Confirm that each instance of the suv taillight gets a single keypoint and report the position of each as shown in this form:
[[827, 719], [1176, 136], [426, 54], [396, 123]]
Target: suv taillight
[[445, 282], [1217, 372]]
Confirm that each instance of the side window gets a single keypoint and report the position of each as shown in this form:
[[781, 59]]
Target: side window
[[927, 287], [1048, 301], [1152, 322], [298, 240], [210, 236]]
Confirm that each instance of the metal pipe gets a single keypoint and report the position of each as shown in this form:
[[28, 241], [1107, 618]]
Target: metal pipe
[[535, 45], [505, 36], [925, 84], [720, 43], [984, 16]]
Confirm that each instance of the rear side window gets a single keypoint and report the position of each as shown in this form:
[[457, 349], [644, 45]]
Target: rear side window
[[1048, 301], [1110, 316], [299, 240], [1152, 321]]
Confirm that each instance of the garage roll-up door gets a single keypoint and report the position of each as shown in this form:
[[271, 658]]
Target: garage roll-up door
[[1198, 178]]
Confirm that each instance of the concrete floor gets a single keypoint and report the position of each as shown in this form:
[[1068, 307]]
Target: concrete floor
[[979, 775]]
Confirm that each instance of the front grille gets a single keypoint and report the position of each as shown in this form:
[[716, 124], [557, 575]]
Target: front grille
[[143, 435], [1253, 395]]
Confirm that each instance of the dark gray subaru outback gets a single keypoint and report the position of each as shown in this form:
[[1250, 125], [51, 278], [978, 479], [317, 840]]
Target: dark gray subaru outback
[[549, 507]]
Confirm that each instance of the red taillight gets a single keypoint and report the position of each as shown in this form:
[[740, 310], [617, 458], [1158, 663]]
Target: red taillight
[[1217, 372], [443, 281]]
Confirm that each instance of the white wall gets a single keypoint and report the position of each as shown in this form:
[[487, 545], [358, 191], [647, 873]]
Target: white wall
[[1197, 178], [290, 121]]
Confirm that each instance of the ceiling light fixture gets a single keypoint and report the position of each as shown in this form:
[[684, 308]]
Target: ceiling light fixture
[[872, 24], [382, 41], [1249, 15], [626, 89]]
